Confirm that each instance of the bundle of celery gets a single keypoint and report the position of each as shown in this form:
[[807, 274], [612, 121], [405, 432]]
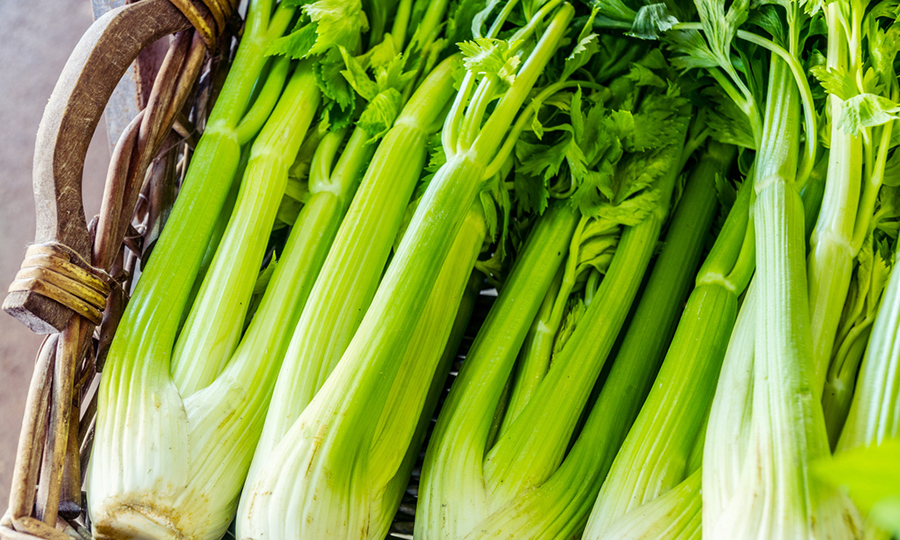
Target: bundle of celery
[[769, 420], [179, 414], [370, 165]]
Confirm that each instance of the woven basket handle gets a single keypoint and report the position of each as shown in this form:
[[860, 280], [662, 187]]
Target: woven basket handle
[[57, 266]]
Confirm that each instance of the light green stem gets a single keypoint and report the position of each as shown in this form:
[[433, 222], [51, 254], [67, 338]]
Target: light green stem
[[831, 244], [202, 349], [355, 264]]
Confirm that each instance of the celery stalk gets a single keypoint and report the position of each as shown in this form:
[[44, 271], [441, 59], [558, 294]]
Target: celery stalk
[[875, 409], [482, 377], [850, 215], [874, 415], [227, 287], [353, 269], [429, 346], [538, 347], [559, 508], [541, 432], [329, 445], [675, 515], [654, 456], [167, 464], [364, 506], [832, 248], [401, 482], [772, 492], [728, 429]]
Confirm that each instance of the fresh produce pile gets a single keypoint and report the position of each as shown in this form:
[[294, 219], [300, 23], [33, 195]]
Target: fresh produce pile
[[688, 214]]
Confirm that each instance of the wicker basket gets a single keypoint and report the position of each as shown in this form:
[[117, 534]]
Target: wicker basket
[[75, 276]]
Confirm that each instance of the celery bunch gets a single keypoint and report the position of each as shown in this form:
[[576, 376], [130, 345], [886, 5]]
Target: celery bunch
[[370, 166]]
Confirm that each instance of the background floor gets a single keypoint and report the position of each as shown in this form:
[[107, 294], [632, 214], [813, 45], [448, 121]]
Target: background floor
[[38, 37]]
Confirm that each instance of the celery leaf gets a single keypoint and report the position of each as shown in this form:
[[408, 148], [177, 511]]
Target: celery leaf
[[357, 77], [542, 160], [727, 122], [658, 122], [340, 22], [651, 21], [871, 476], [531, 192], [631, 211], [720, 25], [340, 100], [866, 110], [586, 46], [644, 76], [379, 115], [295, 45], [840, 85], [694, 51], [491, 56]]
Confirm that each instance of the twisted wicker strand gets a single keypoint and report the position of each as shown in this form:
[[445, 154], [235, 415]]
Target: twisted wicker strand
[[199, 13], [84, 288]]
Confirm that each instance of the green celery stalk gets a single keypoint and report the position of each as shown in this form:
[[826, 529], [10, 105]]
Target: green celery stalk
[[654, 456], [354, 266], [401, 482], [786, 425], [832, 242], [373, 498], [787, 420], [167, 463], [227, 287], [538, 347], [759, 486], [218, 231], [438, 329], [559, 507], [675, 515], [330, 443], [540, 435], [875, 409], [850, 217], [728, 429], [874, 415], [870, 277], [481, 380]]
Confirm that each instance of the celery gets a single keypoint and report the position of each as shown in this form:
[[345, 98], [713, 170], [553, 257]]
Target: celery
[[861, 140], [675, 515], [354, 265], [559, 507], [728, 429], [467, 478], [653, 458], [875, 410], [771, 493], [864, 297], [874, 415], [174, 437], [766, 490], [540, 434], [337, 485], [544, 252], [832, 248], [227, 284]]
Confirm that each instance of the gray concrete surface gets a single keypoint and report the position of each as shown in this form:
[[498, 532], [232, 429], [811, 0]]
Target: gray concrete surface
[[38, 37]]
